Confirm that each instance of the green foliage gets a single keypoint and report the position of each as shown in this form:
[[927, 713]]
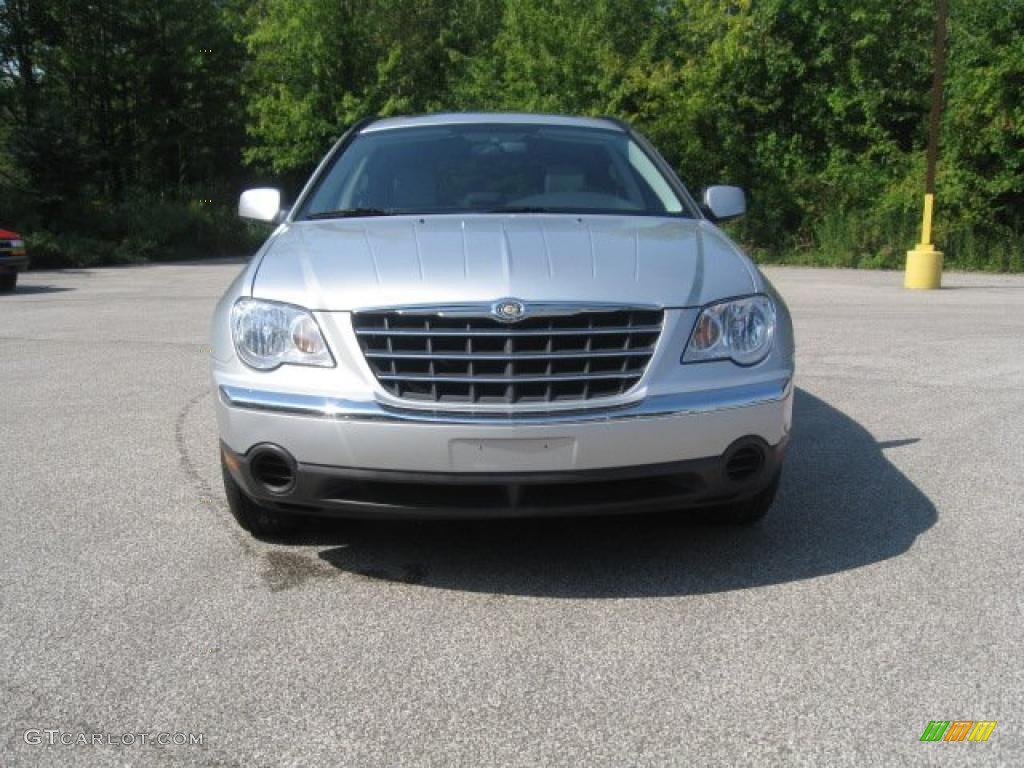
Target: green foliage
[[983, 171], [115, 119], [317, 67], [557, 56], [142, 229]]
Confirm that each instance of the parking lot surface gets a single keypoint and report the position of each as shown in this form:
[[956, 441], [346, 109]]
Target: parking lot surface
[[882, 592]]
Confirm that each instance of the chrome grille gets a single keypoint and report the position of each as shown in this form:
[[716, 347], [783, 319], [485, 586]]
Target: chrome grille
[[578, 356]]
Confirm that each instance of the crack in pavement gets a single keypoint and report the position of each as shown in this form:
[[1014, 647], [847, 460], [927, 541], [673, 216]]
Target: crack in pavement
[[282, 570], [199, 483]]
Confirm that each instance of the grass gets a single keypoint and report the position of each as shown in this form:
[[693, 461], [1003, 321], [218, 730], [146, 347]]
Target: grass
[[842, 239]]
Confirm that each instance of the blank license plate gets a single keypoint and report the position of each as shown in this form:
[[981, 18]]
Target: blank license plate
[[513, 455]]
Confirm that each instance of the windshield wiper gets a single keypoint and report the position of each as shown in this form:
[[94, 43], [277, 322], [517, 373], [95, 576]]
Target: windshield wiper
[[348, 213], [523, 209]]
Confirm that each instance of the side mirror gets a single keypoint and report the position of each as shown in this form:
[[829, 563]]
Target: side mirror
[[725, 203], [261, 204]]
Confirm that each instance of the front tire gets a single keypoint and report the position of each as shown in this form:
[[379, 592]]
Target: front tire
[[253, 517], [8, 283]]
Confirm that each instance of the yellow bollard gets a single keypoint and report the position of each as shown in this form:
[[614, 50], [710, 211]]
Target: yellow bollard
[[924, 263]]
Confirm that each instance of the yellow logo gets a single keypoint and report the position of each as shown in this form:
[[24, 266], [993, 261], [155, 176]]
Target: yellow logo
[[958, 730]]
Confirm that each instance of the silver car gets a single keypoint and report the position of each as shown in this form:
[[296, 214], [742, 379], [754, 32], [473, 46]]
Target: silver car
[[493, 315]]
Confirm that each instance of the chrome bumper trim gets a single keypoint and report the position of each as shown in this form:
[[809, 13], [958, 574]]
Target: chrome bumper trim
[[658, 406]]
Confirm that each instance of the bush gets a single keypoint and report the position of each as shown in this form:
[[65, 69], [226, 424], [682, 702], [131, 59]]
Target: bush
[[142, 229], [968, 248]]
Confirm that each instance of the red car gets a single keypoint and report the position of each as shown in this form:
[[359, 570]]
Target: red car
[[13, 259]]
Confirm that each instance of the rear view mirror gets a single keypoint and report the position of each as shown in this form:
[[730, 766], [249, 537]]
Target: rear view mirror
[[261, 205], [725, 203]]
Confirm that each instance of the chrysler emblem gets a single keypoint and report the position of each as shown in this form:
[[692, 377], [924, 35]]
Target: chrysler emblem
[[509, 310]]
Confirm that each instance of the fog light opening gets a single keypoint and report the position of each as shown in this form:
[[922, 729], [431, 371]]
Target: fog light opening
[[273, 468], [745, 462]]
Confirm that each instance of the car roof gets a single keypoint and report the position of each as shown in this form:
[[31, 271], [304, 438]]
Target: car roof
[[491, 118]]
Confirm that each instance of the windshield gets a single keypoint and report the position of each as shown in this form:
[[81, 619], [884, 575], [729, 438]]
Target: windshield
[[492, 168]]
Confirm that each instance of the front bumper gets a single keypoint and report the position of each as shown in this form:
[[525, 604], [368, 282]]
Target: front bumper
[[9, 263], [366, 458], [348, 492], [371, 435]]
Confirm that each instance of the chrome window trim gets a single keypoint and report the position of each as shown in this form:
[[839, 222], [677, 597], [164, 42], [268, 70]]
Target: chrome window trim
[[531, 308], [441, 119], [657, 406], [617, 331]]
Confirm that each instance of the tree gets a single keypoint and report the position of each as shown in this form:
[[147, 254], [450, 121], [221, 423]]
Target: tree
[[983, 155], [318, 67]]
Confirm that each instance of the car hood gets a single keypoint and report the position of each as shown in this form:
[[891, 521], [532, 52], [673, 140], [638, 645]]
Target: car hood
[[6, 234], [381, 262]]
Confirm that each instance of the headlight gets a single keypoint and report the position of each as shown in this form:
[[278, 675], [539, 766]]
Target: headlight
[[267, 334], [740, 330]]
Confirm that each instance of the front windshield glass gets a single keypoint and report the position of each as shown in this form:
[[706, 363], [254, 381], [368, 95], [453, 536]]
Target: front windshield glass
[[492, 168]]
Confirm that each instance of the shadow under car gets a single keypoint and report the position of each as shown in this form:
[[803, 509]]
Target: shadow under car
[[842, 505]]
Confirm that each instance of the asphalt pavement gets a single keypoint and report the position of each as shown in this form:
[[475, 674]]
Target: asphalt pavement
[[882, 592]]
